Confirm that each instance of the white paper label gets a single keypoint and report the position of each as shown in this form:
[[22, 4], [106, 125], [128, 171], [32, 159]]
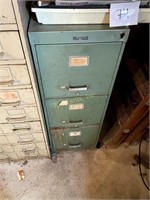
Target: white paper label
[[76, 133], [124, 14], [63, 103], [79, 106], [78, 61]]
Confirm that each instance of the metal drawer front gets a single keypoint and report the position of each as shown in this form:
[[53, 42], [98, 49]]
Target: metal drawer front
[[6, 148], [14, 75], [20, 128], [77, 69], [75, 111], [30, 150], [10, 48], [25, 138], [19, 114], [7, 14], [75, 138], [17, 97]]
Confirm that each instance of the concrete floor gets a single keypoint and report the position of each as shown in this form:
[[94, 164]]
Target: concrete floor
[[91, 174]]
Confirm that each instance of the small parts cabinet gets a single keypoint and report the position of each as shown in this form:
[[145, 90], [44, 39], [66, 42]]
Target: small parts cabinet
[[21, 133], [76, 66]]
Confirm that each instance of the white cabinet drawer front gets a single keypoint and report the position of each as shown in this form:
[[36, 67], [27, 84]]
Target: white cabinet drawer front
[[17, 115], [3, 156], [8, 156], [6, 148], [30, 150], [10, 48], [3, 140], [20, 128], [14, 75], [6, 12], [26, 150], [17, 97], [34, 147], [25, 138], [22, 139]]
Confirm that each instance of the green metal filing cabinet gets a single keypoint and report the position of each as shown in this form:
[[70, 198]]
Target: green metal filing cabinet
[[76, 66]]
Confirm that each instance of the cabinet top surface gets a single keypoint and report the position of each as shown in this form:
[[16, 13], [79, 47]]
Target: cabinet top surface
[[34, 26]]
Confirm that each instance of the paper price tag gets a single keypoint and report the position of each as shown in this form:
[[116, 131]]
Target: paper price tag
[[124, 14]]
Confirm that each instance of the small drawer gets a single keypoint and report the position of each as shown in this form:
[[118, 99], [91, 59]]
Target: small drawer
[[12, 156], [24, 147], [7, 15], [21, 139], [18, 97], [14, 75], [20, 114], [3, 140], [25, 138], [20, 128], [75, 138], [75, 111], [3, 157], [6, 148], [10, 48], [43, 152]]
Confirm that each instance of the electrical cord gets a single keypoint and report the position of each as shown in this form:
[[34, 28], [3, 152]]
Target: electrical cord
[[140, 162]]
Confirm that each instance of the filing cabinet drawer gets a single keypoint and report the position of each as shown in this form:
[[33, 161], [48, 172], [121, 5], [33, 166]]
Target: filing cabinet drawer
[[77, 69], [20, 128], [7, 14], [14, 75], [25, 138], [10, 48], [20, 114], [6, 148], [3, 140], [75, 111], [75, 138], [16, 97], [30, 150]]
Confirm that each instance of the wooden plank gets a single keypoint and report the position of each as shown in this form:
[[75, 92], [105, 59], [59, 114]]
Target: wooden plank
[[139, 78], [138, 131], [120, 109], [137, 115]]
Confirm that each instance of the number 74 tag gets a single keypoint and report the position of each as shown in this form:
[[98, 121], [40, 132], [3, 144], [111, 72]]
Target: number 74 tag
[[124, 14]]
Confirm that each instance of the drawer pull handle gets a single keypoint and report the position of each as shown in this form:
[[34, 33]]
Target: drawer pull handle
[[77, 145], [25, 141], [5, 76], [2, 53], [8, 81], [21, 129], [76, 122], [15, 118], [9, 103], [78, 88]]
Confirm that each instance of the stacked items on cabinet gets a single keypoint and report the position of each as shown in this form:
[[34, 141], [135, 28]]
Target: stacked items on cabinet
[[21, 134]]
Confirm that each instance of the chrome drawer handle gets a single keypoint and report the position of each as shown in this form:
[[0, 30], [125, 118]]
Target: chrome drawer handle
[[77, 145], [25, 141], [21, 129], [78, 88], [76, 121]]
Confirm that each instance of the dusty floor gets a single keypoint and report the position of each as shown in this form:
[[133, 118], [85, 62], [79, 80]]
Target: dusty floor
[[95, 174]]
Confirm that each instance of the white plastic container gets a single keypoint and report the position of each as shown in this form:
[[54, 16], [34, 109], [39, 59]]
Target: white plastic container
[[71, 16]]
